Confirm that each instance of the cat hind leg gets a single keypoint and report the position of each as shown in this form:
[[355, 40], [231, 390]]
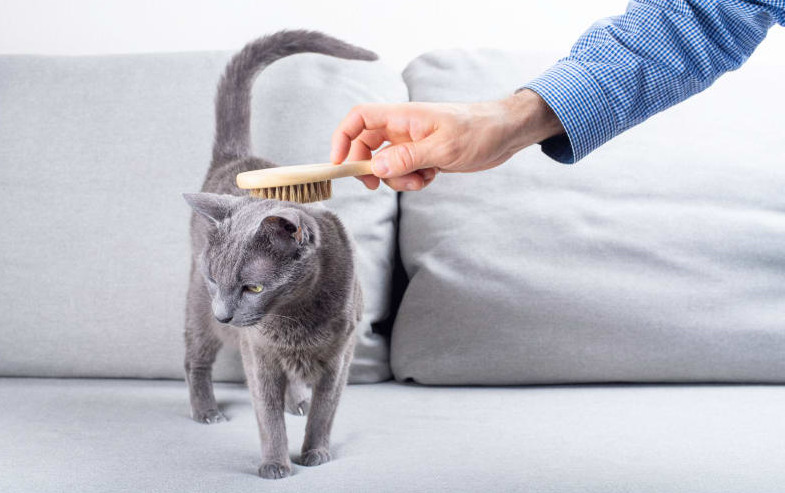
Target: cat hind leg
[[298, 397]]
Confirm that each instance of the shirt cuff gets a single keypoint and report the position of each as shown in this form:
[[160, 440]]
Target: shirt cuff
[[579, 103]]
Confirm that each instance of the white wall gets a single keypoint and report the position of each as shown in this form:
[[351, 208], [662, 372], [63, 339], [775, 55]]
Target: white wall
[[396, 29]]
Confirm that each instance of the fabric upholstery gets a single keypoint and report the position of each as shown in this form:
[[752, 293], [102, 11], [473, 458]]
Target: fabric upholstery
[[135, 435], [94, 155], [658, 258]]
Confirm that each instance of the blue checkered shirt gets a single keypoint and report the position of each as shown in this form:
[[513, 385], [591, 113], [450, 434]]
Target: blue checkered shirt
[[660, 52]]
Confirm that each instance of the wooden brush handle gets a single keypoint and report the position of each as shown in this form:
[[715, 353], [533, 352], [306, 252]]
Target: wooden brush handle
[[304, 173]]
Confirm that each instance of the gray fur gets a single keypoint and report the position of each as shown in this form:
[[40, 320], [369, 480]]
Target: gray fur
[[299, 331]]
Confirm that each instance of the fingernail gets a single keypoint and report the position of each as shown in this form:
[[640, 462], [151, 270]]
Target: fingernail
[[411, 186], [379, 166]]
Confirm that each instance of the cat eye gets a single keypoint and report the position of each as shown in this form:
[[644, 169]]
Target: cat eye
[[255, 288]]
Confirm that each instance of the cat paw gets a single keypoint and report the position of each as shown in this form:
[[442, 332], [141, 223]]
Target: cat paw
[[274, 470], [208, 417], [299, 409], [315, 457]]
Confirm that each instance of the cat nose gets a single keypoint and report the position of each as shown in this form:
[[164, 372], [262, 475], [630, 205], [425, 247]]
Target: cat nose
[[221, 312]]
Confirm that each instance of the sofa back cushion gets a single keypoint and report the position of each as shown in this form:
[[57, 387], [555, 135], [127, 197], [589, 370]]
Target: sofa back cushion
[[658, 258], [94, 155]]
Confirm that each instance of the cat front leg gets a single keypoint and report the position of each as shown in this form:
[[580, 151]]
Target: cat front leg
[[201, 347], [267, 384], [324, 402]]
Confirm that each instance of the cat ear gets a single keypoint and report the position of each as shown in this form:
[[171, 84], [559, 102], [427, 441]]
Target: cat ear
[[211, 205], [288, 227]]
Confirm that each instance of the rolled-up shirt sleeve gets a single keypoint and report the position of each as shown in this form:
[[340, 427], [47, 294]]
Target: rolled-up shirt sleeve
[[658, 53]]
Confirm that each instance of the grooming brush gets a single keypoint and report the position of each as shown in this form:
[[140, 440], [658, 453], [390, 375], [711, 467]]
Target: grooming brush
[[303, 183]]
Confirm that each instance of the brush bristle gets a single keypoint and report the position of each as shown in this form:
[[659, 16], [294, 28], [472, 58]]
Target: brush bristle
[[303, 193]]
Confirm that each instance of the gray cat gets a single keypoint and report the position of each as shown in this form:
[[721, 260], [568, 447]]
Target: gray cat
[[275, 278]]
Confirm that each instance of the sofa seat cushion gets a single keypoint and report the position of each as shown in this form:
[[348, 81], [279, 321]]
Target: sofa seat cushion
[[135, 435]]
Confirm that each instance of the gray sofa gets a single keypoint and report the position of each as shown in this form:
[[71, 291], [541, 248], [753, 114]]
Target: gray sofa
[[615, 325]]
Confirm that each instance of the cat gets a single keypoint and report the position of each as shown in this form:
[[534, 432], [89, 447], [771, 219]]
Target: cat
[[275, 278]]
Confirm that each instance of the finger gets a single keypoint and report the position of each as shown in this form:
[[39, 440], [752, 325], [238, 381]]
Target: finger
[[367, 141], [371, 182], [406, 183], [359, 151], [373, 139], [428, 175], [404, 158], [362, 117], [413, 181]]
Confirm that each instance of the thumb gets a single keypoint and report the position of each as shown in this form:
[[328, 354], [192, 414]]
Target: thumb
[[402, 159]]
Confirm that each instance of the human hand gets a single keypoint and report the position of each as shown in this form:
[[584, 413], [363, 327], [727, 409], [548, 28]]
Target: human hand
[[426, 138]]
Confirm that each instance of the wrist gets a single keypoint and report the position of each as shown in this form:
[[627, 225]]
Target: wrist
[[530, 120]]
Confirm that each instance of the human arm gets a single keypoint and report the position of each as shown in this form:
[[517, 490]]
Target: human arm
[[625, 69], [620, 72]]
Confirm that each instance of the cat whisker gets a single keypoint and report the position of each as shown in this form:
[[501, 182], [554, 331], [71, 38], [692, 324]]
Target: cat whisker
[[262, 321], [281, 316]]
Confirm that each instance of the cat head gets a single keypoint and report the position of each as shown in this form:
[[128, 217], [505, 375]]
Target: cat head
[[259, 254]]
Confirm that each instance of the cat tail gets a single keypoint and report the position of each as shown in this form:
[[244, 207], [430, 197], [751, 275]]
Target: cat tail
[[233, 100]]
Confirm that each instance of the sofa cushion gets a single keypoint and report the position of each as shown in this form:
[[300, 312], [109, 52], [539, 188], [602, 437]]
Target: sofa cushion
[[132, 435], [656, 258], [94, 155]]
